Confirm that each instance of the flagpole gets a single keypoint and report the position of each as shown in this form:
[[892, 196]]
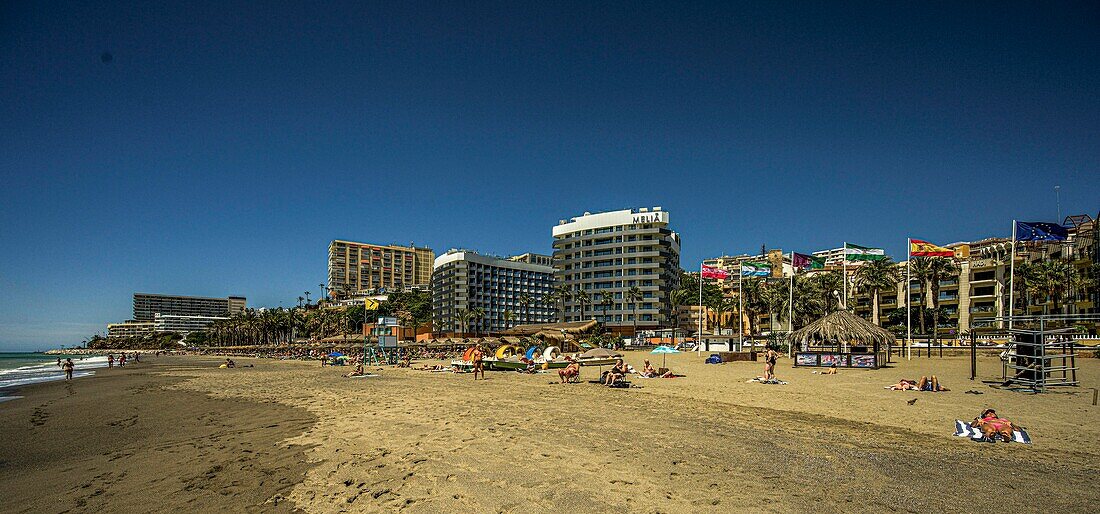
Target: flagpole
[[790, 311], [908, 299], [844, 273], [1011, 275], [740, 306], [699, 338]]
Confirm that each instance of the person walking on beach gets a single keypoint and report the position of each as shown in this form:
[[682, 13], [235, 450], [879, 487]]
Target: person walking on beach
[[110, 360], [478, 358], [59, 362], [770, 359], [68, 367]]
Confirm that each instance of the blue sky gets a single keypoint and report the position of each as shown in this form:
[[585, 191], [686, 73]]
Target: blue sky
[[225, 144]]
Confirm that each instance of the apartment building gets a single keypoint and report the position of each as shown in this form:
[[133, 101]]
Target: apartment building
[[978, 295], [534, 258], [183, 325], [147, 306], [361, 268], [129, 328], [603, 255], [464, 282]]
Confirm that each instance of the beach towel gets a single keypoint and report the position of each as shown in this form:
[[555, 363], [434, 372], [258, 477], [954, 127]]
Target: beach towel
[[963, 429], [759, 380], [364, 375]]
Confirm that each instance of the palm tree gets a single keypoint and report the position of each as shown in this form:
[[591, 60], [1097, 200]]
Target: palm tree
[[582, 298], [775, 296], [307, 297], [1056, 281], [478, 315], [463, 317], [563, 293], [943, 268], [525, 301], [720, 305], [300, 301], [920, 268], [509, 316], [753, 302], [676, 299], [606, 300], [1027, 284], [876, 277], [635, 295]]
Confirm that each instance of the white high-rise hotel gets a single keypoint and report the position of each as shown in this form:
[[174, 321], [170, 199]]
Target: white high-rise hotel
[[605, 254]]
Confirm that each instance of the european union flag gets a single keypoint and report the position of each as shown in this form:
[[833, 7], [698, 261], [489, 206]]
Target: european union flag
[[1039, 231]]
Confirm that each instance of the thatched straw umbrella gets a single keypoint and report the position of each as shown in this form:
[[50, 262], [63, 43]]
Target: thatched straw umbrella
[[843, 327]]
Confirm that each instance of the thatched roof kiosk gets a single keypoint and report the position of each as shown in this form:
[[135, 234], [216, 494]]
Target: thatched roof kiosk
[[842, 328]]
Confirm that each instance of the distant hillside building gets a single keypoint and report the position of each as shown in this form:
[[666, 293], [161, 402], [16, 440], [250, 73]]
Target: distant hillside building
[[361, 268], [174, 313], [464, 281], [611, 252], [147, 306]]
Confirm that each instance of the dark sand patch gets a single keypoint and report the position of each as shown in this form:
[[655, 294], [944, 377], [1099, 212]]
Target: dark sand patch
[[121, 442]]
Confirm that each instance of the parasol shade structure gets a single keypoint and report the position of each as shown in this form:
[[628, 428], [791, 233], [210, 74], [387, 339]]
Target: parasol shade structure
[[664, 351], [600, 353]]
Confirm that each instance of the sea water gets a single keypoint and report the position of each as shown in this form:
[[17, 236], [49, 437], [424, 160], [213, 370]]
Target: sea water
[[18, 369]]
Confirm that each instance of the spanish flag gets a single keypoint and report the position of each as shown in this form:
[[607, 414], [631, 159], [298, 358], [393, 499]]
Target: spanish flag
[[918, 248]]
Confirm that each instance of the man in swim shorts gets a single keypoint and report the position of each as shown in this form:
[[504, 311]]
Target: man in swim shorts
[[68, 367], [478, 358]]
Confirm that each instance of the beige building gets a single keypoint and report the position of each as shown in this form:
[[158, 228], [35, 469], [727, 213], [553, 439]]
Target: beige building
[[978, 295], [362, 268]]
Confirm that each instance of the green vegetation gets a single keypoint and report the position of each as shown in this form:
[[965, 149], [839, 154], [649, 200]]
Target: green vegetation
[[157, 341]]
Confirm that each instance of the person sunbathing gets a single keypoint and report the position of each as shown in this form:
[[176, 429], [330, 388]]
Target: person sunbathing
[[993, 426], [930, 384], [648, 371], [357, 373], [570, 373], [617, 373], [904, 385]]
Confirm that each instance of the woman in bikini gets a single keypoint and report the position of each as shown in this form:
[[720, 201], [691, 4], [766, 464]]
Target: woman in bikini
[[993, 426]]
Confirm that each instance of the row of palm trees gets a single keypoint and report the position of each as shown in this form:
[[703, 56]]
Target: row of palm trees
[[280, 326]]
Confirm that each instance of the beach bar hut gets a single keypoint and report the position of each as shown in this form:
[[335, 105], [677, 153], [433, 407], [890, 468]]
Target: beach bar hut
[[843, 340]]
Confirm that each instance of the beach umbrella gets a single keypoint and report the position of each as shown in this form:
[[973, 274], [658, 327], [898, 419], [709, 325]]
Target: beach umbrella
[[335, 354], [664, 351]]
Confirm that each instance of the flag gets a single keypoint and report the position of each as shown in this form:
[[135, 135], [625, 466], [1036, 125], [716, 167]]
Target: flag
[[803, 261], [755, 269], [713, 272], [1039, 231], [862, 253], [918, 248]]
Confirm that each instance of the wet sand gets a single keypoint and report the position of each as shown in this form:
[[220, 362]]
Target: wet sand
[[432, 442], [122, 442]]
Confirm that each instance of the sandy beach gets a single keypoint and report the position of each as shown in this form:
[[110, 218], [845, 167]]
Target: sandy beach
[[180, 433]]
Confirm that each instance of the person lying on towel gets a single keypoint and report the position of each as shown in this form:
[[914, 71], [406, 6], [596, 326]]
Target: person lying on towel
[[931, 384], [993, 426]]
